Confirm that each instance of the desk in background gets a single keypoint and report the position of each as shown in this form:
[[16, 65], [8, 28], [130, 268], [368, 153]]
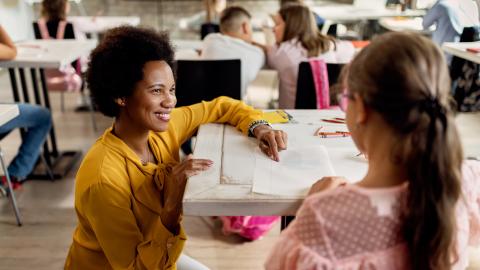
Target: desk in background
[[8, 112], [459, 49], [36, 55], [349, 13], [405, 24], [100, 24]]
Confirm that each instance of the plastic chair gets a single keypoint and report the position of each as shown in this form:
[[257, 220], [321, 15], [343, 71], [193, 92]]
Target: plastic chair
[[208, 28], [199, 80], [306, 97]]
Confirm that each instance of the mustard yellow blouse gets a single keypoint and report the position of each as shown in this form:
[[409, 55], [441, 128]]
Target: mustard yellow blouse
[[118, 200]]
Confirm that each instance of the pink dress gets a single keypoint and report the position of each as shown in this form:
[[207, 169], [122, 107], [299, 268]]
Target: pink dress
[[359, 228]]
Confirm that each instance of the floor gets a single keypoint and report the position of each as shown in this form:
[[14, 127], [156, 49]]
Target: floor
[[47, 207]]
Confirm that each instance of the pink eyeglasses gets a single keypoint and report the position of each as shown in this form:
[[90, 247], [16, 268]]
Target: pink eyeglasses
[[343, 98]]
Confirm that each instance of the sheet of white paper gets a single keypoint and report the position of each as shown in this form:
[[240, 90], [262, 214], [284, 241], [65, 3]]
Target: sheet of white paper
[[293, 175]]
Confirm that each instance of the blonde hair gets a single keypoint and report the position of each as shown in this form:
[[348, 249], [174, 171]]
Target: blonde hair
[[300, 23]]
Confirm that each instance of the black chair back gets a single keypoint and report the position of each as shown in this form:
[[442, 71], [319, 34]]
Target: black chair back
[[306, 96], [199, 80], [208, 28]]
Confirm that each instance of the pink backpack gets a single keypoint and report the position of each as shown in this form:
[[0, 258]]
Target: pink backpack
[[64, 79], [320, 80], [249, 227]]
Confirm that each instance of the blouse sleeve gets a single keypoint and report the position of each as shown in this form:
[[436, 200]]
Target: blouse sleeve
[[109, 212], [220, 110], [303, 244], [283, 56]]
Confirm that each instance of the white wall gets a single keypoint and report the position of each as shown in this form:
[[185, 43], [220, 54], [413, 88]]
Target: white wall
[[16, 17]]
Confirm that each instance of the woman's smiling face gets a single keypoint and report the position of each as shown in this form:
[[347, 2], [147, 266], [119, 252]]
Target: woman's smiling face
[[153, 98]]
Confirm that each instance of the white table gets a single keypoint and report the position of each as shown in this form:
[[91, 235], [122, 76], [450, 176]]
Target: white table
[[405, 24], [8, 112], [187, 44], [37, 55], [100, 24], [459, 49], [348, 13], [226, 189], [48, 53]]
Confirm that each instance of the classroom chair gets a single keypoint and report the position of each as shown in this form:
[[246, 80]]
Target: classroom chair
[[306, 97], [208, 28], [199, 80]]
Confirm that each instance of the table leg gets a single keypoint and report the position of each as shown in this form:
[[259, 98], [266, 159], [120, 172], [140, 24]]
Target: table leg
[[23, 83], [13, 81], [36, 93], [285, 220], [46, 100], [54, 159]]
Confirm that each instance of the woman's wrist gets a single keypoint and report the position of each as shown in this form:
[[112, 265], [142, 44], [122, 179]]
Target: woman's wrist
[[254, 125], [260, 130]]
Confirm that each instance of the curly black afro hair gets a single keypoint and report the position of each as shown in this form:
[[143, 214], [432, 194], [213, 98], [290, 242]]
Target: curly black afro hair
[[116, 64]]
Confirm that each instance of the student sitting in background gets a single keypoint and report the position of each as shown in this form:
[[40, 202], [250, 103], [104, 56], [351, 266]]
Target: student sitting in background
[[210, 16], [298, 39], [36, 121], [318, 20], [414, 209], [53, 25], [450, 17], [234, 42], [53, 19]]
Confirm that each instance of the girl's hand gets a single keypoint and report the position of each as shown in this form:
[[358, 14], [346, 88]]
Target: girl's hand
[[327, 183], [271, 141]]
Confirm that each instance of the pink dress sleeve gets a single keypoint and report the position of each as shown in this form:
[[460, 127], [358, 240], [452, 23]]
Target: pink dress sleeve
[[471, 187], [292, 251]]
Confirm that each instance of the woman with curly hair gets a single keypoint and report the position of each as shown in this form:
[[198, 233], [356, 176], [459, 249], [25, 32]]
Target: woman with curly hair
[[129, 187]]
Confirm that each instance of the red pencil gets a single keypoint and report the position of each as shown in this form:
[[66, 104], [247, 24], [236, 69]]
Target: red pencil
[[333, 121]]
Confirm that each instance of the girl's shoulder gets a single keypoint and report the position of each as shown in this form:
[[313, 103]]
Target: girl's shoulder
[[354, 202]]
